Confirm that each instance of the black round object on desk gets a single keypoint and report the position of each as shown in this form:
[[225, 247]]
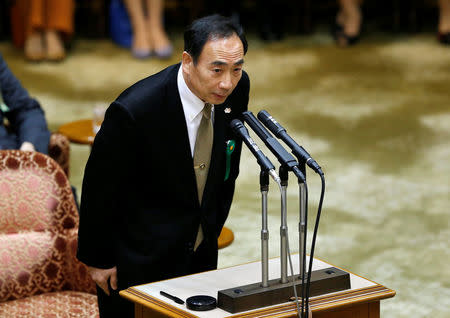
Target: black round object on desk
[[201, 303]]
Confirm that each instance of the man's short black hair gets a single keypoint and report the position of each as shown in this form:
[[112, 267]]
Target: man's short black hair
[[208, 28]]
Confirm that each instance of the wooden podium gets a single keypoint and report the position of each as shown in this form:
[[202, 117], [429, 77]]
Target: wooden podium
[[361, 300]]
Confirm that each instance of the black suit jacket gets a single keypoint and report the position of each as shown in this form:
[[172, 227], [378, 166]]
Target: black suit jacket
[[139, 204]]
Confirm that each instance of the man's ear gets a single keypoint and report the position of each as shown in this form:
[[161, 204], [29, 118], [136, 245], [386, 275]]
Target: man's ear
[[187, 62]]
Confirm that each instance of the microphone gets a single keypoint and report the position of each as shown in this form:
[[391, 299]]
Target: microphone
[[284, 157], [238, 127], [280, 132]]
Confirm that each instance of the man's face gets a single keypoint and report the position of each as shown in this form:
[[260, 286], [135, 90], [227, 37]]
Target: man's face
[[218, 69]]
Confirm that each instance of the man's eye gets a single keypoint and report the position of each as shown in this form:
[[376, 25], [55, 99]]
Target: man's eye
[[237, 69], [217, 70]]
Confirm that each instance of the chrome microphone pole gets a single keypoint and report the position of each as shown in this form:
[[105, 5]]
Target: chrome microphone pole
[[283, 227], [302, 227], [264, 186]]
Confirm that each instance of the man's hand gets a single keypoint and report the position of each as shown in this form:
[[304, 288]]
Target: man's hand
[[101, 276], [27, 146]]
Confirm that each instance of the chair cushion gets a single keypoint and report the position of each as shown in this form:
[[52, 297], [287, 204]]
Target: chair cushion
[[52, 305], [35, 194], [33, 263]]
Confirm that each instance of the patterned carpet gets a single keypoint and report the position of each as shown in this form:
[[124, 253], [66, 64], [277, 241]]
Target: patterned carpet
[[377, 119]]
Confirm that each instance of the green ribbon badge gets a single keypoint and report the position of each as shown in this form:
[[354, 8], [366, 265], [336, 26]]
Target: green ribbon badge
[[229, 150]]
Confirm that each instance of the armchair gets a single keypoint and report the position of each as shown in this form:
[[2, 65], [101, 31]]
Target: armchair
[[39, 273]]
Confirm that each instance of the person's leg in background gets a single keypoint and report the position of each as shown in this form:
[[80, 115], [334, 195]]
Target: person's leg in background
[[58, 27], [141, 47], [40, 25], [34, 22], [348, 22], [444, 22], [157, 33]]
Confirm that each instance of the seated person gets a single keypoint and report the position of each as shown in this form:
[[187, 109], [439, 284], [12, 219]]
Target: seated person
[[26, 128]]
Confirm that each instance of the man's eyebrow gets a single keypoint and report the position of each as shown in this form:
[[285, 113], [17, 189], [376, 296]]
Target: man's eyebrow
[[220, 63]]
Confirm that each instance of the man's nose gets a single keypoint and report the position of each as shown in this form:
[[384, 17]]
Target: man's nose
[[226, 82]]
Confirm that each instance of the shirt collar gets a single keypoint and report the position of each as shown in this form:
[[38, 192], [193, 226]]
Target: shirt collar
[[192, 105]]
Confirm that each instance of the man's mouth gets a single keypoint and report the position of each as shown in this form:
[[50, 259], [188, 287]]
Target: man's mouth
[[220, 96]]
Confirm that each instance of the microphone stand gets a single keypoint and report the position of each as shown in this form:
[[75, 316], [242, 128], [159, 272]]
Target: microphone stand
[[283, 227], [319, 282], [264, 186]]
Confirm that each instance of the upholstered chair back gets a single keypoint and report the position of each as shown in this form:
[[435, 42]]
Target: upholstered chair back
[[38, 228]]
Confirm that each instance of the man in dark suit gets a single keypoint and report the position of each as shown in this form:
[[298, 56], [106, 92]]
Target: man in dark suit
[[27, 128], [144, 216]]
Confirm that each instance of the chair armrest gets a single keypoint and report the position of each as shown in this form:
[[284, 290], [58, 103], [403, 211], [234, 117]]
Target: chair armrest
[[77, 275], [59, 150]]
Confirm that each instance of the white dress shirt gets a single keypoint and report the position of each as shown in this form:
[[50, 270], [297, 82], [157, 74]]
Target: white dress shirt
[[192, 107]]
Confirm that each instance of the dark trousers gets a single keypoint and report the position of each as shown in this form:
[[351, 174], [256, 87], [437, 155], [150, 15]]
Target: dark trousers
[[114, 306]]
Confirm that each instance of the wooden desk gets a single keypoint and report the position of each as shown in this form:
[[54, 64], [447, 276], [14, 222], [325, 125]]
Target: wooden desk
[[79, 131], [362, 300]]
